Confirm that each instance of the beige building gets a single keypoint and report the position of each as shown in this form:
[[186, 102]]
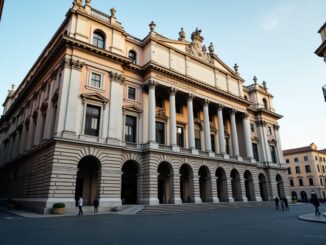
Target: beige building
[[153, 120], [321, 51], [306, 172]]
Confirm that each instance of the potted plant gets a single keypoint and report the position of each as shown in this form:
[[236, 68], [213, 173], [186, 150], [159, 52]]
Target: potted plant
[[58, 208]]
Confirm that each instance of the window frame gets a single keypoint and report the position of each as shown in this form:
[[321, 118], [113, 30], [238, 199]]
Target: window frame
[[134, 129], [129, 87], [90, 75], [98, 123], [98, 33]]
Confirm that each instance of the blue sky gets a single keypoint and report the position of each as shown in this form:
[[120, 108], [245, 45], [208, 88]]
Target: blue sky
[[274, 40]]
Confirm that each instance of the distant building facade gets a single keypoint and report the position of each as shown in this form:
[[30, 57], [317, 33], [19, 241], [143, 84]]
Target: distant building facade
[[306, 172], [2, 2], [104, 114], [321, 51]]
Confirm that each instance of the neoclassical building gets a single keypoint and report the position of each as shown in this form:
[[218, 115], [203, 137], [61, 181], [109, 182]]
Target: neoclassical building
[[306, 172], [136, 121], [321, 51]]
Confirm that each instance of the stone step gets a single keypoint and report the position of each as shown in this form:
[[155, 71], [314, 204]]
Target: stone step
[[196, 207]]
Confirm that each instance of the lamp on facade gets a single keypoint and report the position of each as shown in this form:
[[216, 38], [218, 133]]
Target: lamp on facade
[[324, 91]]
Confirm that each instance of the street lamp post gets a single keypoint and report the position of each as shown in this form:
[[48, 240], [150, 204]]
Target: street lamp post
[[324, 91]]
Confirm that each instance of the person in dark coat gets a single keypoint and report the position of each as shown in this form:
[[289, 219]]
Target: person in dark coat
[[96, 203], [315, 202], [277, 200], [286, 203]]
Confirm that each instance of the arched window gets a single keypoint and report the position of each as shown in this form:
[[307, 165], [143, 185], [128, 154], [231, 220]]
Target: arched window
[[133, 56], [98, 39], [245, 97], [265, 104]]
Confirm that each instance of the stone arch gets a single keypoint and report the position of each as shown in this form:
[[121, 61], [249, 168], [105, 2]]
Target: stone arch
[[186, 183], [130, 182], [249, 186], [165, 183], [280, 185], [205, 184], [263, 187], [304, 197], [221, 184], [88, 179], [294, 195], [236, 185]]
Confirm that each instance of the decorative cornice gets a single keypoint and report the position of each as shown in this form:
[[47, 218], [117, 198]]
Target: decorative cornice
[[71, 63], [152, 83], [116, 77]]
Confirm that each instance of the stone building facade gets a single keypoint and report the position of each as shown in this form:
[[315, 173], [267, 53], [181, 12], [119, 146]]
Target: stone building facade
[[102, 113], [306, 172], [321, 51]]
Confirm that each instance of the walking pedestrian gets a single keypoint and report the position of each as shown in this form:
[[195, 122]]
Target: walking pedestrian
[[96, 203], [277, 200], [80, 206], [282, 203], [286, 203], [315, 202]]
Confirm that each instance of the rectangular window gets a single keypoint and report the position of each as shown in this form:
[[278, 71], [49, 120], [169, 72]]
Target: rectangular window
[[255, 151], [160, 133], [311, 181], [308, 170], [287, 161], [96, 80], [318, 168], [305, 158], [180, 137], [321, 181], [323, 167], [252, 127], [92, 122], [316, 158], [197, 140], [227, 146], [291, 182], [131, 93], [196, 113], [269, 131], [297, 170], [159, 102], [273, 153], [213, 142], [178, 108], [300, 182], [296, 159], [131, 129], [289, 171]]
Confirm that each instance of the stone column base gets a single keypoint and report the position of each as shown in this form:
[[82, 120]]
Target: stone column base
[[110, 202], [211, 154], [197, 200], [215, 200], [150, 201], [177, 200], [230, 199], [194, 152], [258, 199], [244, 199], [175, 148], [225, 156]]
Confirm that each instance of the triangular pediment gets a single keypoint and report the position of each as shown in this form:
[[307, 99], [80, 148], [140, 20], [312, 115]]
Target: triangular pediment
[[133, 108], [94, 97]]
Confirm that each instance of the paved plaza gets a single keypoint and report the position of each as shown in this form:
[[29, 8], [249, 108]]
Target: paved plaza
[[262, 225]]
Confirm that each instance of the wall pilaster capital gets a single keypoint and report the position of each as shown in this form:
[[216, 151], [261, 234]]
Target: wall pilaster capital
[[206, 102], [277, 127], [116, 77], [220, 106], [151, 83], [190, 96], [173, 91], [71, 63]]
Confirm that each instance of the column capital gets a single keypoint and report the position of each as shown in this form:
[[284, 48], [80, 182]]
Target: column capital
[[245, 115], [173, 91], [190, 96], [277, 126], [261, 123], [233, 111], [116, 77], [152, 83], [71, 63], [220, 106], [206, 102]]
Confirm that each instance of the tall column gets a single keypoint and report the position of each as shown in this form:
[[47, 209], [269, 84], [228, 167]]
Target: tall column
[[115, 118], [247, 137], [279, 145], [50, 114], [207, 130], [229, 189], [176, 188], [173, 120], [234, 134], [243, 188], [151, 112], [196, 190], [267, 147], [191, 127], [214, 188], [221, 135]]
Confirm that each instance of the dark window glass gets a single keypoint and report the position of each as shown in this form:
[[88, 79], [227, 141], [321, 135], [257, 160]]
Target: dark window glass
[[296, 159], [131, 129], [255, 151], [96, 80], [291, 182], [318, 168], [227, 146], [316, 158], [287, 161], [213, 142], [321, 181], [178, 108], [305, 158], [269, 131], [289, 171], [160, 132], [323, 167], [265, 103], [311, 181], [98, 39], [133, 56], [180, 137], [197, 139], [273, 153], [308, 170], [196, 113], [131, 93], [252, 127], [159, 102], [92, 123], [297, 170], [300, 182]]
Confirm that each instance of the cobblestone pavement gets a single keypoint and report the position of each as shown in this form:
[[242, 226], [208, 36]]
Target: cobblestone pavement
[[225, 226]]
